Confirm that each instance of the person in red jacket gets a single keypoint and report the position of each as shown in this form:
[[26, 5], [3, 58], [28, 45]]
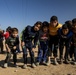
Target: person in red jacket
[[1, 41], [6, 36], [7, 33]]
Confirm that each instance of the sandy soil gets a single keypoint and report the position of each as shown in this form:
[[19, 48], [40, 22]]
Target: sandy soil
[[62, 69]]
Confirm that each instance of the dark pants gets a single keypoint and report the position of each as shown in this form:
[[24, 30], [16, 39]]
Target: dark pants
[[53, 45], [42, 51], [1, 45], [28, 45], [67, 48], [75, 53], [71, 51], [9, 56]]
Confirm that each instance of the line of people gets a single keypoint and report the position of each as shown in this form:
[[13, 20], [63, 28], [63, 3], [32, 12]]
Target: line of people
[[49, 36]]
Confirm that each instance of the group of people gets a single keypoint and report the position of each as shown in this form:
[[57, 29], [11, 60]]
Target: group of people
[[49, 37]]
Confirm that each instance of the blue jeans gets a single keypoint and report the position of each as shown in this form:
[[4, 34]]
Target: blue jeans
[[29, 47], [42, 51]]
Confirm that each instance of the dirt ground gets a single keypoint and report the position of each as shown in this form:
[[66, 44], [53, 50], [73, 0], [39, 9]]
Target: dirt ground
[[62, 69]]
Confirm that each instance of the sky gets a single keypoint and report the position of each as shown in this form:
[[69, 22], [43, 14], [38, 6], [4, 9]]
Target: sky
[[20, 13]]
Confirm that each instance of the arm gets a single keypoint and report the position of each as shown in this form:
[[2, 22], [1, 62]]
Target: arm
[[36, 40], [25, 33], [7, 44], [16, 44], [7, 47]]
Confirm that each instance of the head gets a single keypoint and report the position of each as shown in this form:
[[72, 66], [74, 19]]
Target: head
[[69, 23], [8, 29], [65, 29], [14, 32], [1, 31], [74, 25], [37, 25], [45, 26], [54, 21]]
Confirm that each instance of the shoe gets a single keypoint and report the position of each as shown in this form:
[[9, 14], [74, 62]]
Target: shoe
[[15, 65], [70, 59], [2, 52], [24, 66], [66, 62], [55, 62], [74, 63], [44, 62], [33, 65], [61, 61], [5, 65], [37, 64], [48, 63]]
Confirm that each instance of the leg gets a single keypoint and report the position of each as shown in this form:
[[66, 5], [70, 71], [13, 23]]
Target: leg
[[75, 53], [32, 58], [14, 57], [49, 54], [55, 54], [39, 58], [67, 53], [40, 52], [25, 54], [61, 46], [71, 52], [45, 49], [55, 51], [32, 55], [24, 57], [2, 48], [7, 59]]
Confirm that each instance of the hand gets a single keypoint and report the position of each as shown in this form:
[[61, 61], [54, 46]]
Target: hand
[[23, 44], [33, 49], [64, 37], [14, 47], [44, 38], [39, 46], [8, 50]]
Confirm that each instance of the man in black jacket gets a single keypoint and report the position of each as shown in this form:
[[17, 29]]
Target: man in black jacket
[[29, 40]]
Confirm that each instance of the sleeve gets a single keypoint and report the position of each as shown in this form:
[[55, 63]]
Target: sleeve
[[7, 41], [69, 40], [36, 40], [17, 42], [26, 32], [60, 25], [23, 35], [59, 32], [70, 34]]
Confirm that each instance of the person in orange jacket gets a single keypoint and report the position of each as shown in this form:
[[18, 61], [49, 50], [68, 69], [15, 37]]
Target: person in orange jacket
[[53, 38]]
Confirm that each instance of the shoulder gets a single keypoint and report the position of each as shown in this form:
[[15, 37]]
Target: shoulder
[[8, 39], [27, 28], [60, 30], [59, 25], [17, 38], [70, 32], [40, 32]]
